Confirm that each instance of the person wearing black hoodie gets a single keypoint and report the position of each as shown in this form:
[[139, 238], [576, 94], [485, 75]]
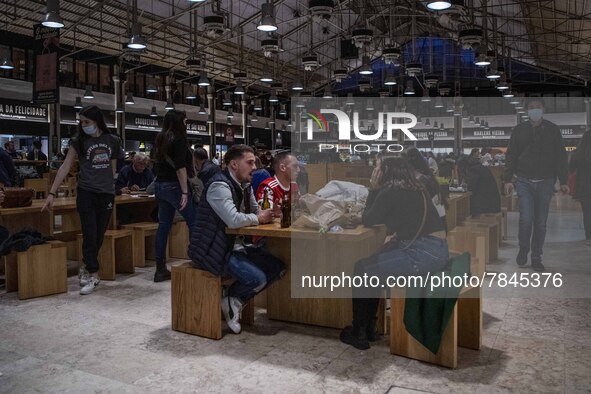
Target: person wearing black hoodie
[[204, 167], [485, 196]]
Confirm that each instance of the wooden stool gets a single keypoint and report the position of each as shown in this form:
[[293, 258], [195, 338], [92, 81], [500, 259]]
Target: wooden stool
[[464, 329], [178, 240], [494, 218], [116, 254], [196, 302], [144, 242], [491, 232], [39, 271], [462, 239]]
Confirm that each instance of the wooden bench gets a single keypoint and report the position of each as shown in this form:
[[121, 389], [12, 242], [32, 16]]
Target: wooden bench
[[464, 329], [39, 271], [196, 302], [178, 240], [144, 242], [116, 254]]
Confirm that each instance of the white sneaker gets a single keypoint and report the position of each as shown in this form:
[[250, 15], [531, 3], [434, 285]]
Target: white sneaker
[[232, 308], [83, 275], [90, 286]]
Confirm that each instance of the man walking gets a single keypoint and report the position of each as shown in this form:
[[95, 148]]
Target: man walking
[[536, 158]]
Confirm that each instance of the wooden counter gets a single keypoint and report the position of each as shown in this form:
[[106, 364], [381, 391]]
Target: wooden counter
[[331, 253]]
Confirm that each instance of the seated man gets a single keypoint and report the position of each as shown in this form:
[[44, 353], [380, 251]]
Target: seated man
[[11, 150], [37, 155], [204, 167], [286, 168], [135, 176], [228, 201]]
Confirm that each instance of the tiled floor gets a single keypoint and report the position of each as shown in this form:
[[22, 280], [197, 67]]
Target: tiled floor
[[119, 340]]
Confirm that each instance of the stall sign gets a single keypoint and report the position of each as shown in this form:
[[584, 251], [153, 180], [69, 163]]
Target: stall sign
[[22, 111], [194, 127], [142, 122], [493, 133]]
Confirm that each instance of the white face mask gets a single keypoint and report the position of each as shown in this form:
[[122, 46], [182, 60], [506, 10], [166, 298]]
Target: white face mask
[[535, 114], [89, 129]]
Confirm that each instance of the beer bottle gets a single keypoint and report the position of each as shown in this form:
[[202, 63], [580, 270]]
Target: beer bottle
[[266, 204], [285, 212]]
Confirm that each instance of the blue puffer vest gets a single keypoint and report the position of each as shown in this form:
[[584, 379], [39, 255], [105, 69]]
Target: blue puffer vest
[[210, 246]]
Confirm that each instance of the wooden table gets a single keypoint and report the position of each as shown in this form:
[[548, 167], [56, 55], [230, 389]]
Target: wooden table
[[458, 209], [16, 218], [334, 252]]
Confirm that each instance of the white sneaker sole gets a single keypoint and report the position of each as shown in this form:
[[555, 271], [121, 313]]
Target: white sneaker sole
[[236, 328]]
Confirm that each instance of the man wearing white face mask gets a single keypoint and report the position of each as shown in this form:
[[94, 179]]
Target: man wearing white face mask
[[536, 157]]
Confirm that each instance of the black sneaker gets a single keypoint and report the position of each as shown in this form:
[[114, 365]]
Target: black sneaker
[[536, 264], [522, 257], [161, 275], [355, 337]]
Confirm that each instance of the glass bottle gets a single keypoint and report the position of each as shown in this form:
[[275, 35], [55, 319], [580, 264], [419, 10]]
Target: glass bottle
[[285, 212], [266, 204]]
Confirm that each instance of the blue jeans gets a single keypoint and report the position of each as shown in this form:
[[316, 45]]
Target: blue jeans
[[428, 254], [253, 271], [168, 196], [534, 204]]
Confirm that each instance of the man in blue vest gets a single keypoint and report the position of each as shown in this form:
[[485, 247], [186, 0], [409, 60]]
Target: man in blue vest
[[228, 201]]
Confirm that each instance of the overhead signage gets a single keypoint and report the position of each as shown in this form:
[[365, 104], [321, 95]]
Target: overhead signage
[[491, 134], [21, 110], [423, 134], [194, 127], [572, 131], [45, 83], [142, 122]]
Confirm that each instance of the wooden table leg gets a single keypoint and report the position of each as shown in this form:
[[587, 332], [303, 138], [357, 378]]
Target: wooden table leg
[[470, 319]]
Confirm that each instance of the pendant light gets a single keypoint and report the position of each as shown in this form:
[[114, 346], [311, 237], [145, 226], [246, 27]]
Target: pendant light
[[437, 5], [151, 89], [169, 104], [273, 98], [239, 90], [203, 80], [129, 99], [6, 64], [267, 22], [227, 101], [202, 110], [88, 93], [78, 103], [154, 114], [52, 18], [410, 90]]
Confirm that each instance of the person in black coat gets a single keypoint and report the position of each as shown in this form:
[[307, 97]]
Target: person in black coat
[[485, 196], [205, 168], [581, 164]]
